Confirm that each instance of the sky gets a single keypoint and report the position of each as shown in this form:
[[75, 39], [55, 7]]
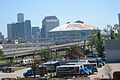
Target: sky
[[98, 13]]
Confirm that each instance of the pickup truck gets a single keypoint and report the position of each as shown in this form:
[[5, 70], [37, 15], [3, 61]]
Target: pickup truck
[[84, 72], [101, 63], [94, 69], [39, 71], [89, 70]]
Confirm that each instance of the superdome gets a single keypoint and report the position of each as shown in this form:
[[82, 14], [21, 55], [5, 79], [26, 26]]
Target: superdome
[[73, 26], [71, 32]]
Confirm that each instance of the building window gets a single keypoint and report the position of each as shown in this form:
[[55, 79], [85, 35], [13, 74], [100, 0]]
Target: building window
[[83, 34]]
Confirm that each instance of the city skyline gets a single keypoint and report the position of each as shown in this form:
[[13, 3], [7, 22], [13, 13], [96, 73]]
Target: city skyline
[[21, 30], [97, 13]]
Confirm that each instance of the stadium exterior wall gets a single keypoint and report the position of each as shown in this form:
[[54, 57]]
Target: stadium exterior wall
[[70, 35]]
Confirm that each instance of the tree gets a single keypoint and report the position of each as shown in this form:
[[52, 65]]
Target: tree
[[1, 55], [113, 31], [45, 54], [96, 41], [75, 52], [92, 41], [99, 44], [116, 28]]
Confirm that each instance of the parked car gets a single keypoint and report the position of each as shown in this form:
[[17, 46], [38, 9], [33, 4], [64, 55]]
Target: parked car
[[8, 69]]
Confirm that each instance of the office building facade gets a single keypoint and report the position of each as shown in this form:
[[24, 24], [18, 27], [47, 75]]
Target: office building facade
[[9, 31], [1, 37], [48, 23], [16, 31], [35, 32], [112, 50], [20, 17], [20, 30], [27, 30], [119, 21]]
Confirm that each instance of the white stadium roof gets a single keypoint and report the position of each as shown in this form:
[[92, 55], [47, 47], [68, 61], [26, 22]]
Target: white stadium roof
[[73, 26]]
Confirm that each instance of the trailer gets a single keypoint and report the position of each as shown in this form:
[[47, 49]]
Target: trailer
[[72, 70], [90, 66], [51, 66], [26, 62]]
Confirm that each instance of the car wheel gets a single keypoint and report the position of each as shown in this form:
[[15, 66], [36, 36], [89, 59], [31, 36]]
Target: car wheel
[[85, 75]]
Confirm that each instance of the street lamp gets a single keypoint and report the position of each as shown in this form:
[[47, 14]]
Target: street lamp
[[33, 65]]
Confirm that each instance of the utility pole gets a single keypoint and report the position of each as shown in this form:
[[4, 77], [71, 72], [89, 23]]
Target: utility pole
[[34, 66]]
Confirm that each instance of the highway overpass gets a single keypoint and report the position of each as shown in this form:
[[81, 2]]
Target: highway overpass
[[28, 49]]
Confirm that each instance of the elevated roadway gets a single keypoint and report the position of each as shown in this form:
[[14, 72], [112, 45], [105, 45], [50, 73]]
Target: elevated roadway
[[26, 49]]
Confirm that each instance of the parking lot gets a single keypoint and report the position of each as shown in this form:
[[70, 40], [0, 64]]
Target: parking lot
[[102, 72], [18, 73], [105, 70]]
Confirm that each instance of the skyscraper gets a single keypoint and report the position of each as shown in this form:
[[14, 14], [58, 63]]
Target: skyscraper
[[35, 33], [20, 30], [20, 17], [119, 21], [27, 28], [9, 31], [1, 37], [16, 31], [48, 23]]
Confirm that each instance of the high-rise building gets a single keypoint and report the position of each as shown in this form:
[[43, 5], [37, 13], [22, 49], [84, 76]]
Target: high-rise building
[[119, 21], [119, 18], [1, 37], [20, 17], [35, 33], [48, 23], [27, 28], [20, 30], [9, 31], [16, 31]]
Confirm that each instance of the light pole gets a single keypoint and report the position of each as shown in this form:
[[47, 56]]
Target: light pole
[[34, 66]]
